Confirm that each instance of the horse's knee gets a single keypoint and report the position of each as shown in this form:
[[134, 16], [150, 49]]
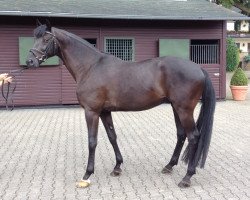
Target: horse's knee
[[181, 137], [111, 128], [92, 144], [192, 140], [111, 134], [112, 137], [193, 137]]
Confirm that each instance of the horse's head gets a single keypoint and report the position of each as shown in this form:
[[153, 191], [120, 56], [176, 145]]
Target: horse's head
[[45, 45]]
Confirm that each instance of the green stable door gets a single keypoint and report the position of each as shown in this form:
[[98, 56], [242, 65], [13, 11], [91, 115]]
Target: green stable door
[[25, 44], [174, 47]]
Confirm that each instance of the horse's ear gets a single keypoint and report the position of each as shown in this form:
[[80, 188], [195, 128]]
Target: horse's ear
[[38, 23], [48, 25]]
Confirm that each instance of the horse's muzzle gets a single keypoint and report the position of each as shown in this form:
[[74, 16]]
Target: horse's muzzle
[[32, 63]]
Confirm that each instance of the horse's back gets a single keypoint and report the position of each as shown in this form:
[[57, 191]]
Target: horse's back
[[182, 67]]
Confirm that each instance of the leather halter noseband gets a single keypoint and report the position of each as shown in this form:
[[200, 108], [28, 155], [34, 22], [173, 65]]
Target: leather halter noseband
[[44, 54]]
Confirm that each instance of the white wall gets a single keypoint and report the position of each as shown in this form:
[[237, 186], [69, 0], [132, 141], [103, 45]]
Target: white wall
[[243, 46], [244, 26], [230, 26]]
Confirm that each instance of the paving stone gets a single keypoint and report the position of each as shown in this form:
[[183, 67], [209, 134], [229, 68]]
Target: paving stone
[[44, 152]]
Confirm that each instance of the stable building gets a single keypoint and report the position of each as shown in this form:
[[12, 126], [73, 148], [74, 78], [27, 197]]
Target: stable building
[[132, 30]]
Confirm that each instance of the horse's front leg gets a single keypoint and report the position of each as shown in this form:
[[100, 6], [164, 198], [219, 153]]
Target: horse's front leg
[[92, 119], [109, 127]]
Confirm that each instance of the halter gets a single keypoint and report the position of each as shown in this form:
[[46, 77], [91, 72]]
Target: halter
[[44, 54]]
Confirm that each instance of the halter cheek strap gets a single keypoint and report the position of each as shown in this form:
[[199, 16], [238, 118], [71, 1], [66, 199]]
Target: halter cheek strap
[[44, 54]]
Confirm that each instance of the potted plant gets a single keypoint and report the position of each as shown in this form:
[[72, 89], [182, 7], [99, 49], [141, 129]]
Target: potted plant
[[239, 85]]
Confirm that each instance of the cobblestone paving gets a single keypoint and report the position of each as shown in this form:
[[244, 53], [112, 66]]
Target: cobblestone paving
[[43, 152]]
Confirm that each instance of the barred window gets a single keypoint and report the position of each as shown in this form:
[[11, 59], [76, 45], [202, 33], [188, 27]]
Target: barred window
[[122, 48], [205, 51]]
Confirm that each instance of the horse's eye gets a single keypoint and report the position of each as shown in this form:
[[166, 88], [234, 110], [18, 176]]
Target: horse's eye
[[46, 40]]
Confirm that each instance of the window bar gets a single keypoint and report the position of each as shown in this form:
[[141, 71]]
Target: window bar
[[207, 54], [210, 61], [199, 54], [213, 54], [196, 54]]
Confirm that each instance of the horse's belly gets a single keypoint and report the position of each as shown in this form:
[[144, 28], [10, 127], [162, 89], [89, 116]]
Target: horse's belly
[[136, 95], [134, 103]]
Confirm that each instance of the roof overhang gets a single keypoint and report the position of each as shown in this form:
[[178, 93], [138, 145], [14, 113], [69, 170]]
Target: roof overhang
[[112, 16], [121, 9]]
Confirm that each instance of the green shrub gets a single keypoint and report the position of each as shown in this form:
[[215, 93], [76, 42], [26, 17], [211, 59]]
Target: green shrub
[[232, 57], [239, 78], [226, 3], [247, 58]]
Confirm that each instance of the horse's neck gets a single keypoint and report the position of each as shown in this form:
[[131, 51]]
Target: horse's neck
[[77, 56]]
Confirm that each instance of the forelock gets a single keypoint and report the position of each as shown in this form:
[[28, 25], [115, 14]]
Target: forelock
[[40, 31]]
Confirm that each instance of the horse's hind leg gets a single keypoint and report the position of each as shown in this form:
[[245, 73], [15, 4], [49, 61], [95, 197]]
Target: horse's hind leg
[[188, 124], [108, 124], [181, 137], [193, 138]]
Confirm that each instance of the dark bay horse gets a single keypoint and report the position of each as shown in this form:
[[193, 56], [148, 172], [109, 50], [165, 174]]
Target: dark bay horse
[[106, 83]]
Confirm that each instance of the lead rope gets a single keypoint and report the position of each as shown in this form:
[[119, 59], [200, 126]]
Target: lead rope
[[8, 95]]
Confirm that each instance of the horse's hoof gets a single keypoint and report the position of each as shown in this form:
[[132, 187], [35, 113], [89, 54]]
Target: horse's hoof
[[116, 172], [184, 184], [166, 170], [83, 183]]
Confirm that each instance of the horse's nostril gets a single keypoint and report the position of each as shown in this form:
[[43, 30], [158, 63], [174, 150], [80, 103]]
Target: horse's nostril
[[30, 62]]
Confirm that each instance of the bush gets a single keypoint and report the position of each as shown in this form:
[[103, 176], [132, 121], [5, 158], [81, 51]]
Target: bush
[[232, 55], [239, 78], [247, 58]]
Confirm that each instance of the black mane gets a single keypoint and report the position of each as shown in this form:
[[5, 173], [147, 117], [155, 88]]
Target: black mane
[[40, 31]]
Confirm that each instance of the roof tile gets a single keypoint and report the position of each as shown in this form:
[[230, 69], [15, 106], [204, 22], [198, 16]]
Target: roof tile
[[121, 9]]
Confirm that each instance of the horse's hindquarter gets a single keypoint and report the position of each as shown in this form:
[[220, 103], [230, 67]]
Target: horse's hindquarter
[[185, 81]]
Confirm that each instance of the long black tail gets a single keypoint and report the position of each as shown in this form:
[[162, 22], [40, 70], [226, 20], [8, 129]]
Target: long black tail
[[204, 123]]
